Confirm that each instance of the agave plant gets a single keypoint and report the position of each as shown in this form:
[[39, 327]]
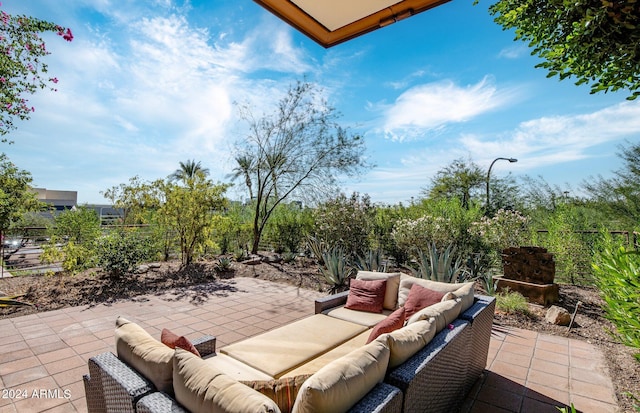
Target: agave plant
[[336, 269], [442, 266], [223, 264], [318, 248], [12, 301], [372, 261]]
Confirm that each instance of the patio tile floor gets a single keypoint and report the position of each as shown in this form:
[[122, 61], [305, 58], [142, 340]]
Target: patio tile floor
[[44, 356]]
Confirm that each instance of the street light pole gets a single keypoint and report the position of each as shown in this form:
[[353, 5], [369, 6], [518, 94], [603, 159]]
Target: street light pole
[[511, 160]]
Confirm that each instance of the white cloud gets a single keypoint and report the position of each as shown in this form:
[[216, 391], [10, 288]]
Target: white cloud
[[553, 140], [433, 106], [514, 52]]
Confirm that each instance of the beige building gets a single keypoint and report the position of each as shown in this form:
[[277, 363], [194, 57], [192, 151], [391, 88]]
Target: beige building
[[59, 200]]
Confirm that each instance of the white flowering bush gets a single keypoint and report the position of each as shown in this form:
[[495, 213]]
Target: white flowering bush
[[506, 229], [420, 233]]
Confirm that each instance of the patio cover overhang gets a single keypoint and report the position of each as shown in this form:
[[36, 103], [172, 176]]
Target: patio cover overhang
[[330, 22]]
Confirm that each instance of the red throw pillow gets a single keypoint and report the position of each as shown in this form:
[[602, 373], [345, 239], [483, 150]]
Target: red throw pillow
[[419, 298], [366, 295], [393, 322], [172, 340]]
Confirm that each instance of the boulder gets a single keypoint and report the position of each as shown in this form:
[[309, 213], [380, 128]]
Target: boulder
[[142, 269], [558, 316]]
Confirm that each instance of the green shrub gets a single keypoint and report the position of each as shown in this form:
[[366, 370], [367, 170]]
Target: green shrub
[[371, 261], [617, 274], [346, 223], [511, 302], [120, 252]]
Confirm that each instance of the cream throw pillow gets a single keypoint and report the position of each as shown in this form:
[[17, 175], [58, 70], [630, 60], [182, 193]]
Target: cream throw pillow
[[393, 284], [202, 388], [444, 313], [144, 353], [408, 340], [340, 384]]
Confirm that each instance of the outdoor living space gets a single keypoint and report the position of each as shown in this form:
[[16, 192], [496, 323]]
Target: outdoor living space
[[45, 354]]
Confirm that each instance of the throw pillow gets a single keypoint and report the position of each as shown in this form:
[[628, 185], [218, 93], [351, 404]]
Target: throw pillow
[[172, 340], [393, 284], [393, 322], [366, 295], [283, 391], [419, 298]]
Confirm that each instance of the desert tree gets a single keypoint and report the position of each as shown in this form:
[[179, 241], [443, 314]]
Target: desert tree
[[596, 42], [16, 194], [298, 150], [619, 195]]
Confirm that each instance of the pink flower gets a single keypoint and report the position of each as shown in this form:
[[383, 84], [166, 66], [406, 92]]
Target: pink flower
[[450, 327], [68, 36], [54, 79]]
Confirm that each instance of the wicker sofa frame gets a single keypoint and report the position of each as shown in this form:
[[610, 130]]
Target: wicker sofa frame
[[436, 379]]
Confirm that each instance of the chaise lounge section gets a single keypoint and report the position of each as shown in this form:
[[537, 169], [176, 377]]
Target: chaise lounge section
[[346, 357]]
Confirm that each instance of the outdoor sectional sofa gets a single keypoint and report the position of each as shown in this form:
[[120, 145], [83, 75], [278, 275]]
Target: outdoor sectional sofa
[[346, 357]]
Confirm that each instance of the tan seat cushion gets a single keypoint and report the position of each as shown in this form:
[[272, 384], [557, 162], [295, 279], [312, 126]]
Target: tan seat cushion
[[444, 313], [359, 317], [464, 291], [144, 353], [312, 366], [201, 388], [283, 391], [235, 369], [277, 351], [393, 284], [408, 340], [342, 383]]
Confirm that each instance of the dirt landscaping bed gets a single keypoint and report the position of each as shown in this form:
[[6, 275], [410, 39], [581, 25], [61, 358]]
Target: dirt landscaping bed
[[48, 293]]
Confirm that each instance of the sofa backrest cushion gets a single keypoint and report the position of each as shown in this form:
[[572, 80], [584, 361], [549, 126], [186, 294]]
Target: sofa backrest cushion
[[393, 284], [463, 291], [202, 388], [420, 297], [144, 353], [393, 322], [444, 313], [408, 340], [340, 384], [366, 295]]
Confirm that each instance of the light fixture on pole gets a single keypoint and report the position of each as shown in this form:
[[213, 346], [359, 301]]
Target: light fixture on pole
[[511, 160]]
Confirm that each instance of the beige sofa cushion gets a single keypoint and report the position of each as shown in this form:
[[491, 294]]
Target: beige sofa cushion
[[277, 351], [464, 291], [312, 366], [339, 385], [359, 317], [408, 340], [444, 313], [235, 369], [201, 388], [393, 284], [144, 353]]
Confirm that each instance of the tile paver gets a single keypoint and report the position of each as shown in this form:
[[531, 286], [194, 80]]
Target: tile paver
[[45, 354]]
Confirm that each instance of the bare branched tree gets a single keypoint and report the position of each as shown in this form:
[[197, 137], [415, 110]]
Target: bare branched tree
[[299, 150]]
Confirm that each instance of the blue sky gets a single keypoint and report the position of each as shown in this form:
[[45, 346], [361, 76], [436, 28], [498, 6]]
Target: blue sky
[[147, 84]]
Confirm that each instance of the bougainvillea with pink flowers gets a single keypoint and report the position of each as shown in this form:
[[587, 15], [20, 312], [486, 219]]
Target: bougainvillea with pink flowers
[[22, 70]]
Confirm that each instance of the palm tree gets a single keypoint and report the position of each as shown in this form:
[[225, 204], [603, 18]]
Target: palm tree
[[244, 169], [188, 170]]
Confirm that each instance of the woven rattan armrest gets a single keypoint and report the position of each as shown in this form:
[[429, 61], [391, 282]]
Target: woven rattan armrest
[[206, 345], [111, 385], [335, 300]]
